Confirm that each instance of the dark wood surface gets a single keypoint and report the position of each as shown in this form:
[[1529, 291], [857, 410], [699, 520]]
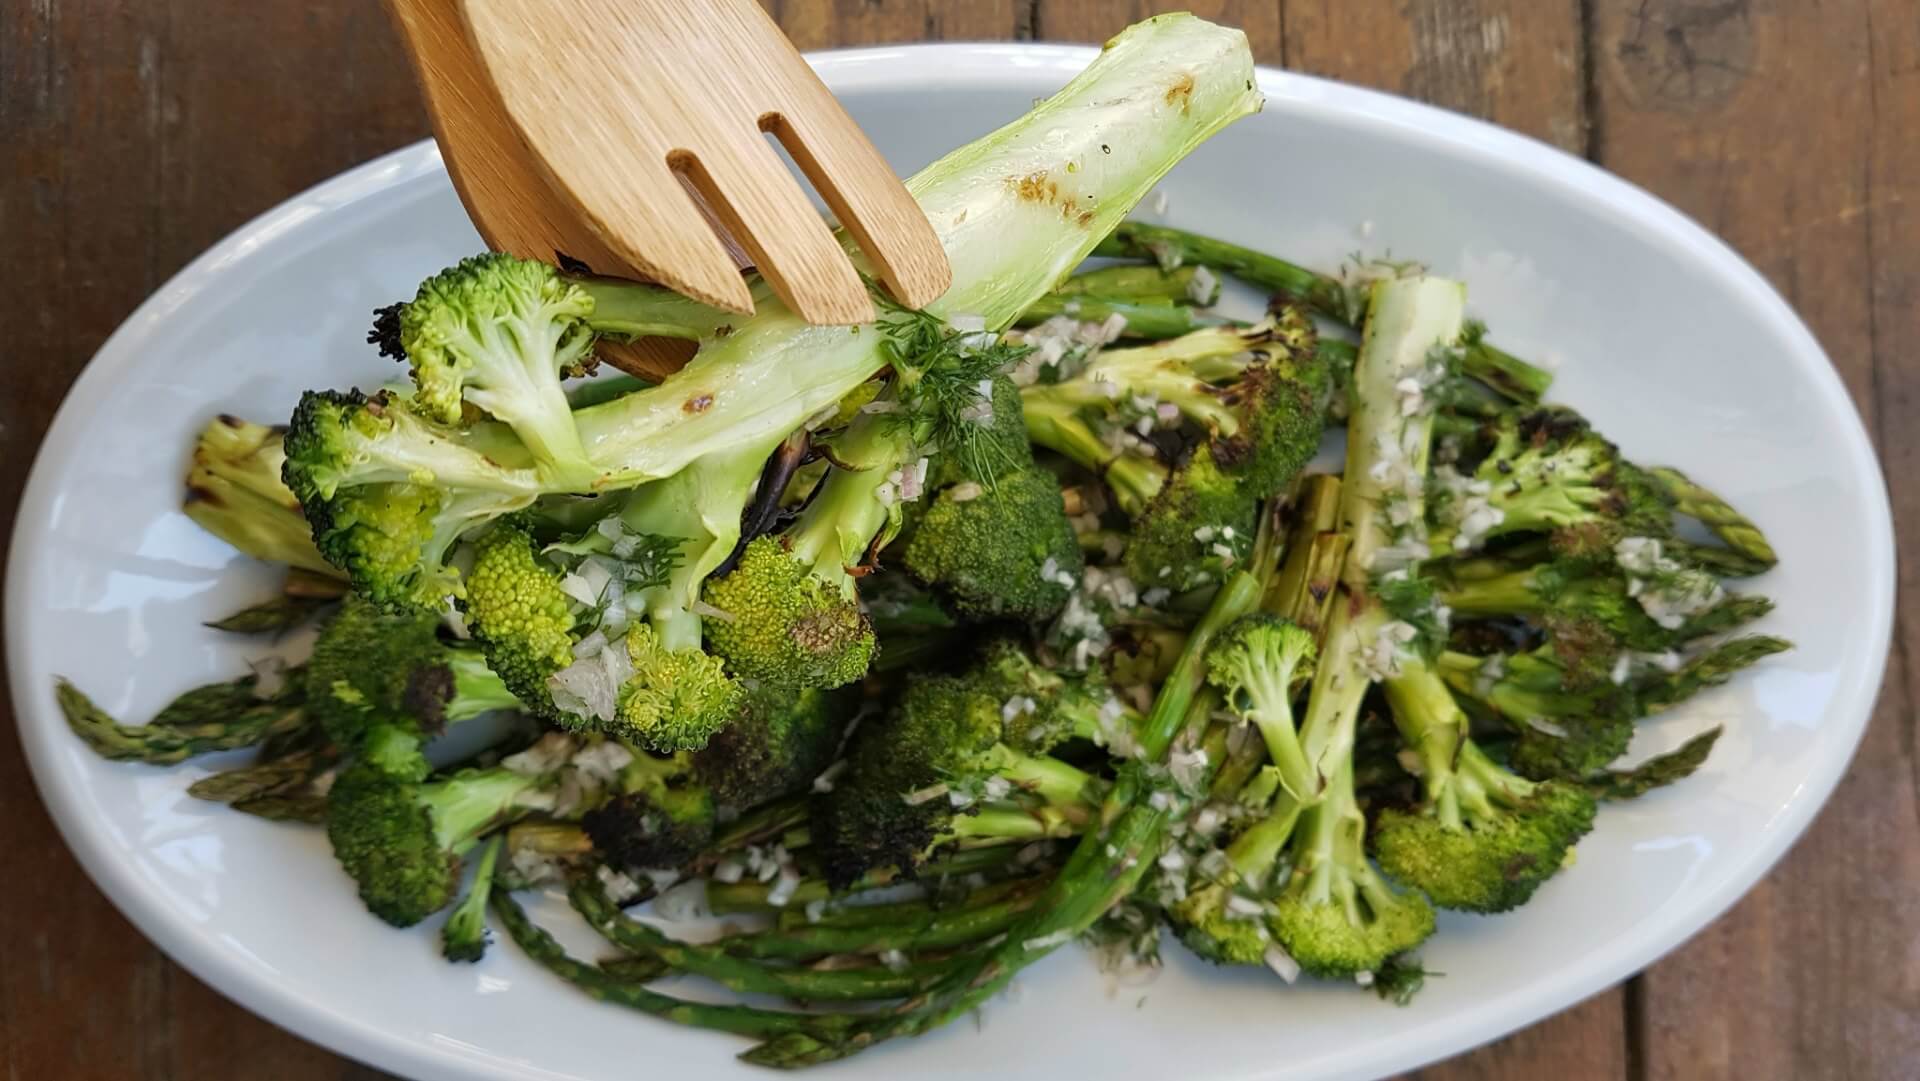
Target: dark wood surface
[[133, 133]]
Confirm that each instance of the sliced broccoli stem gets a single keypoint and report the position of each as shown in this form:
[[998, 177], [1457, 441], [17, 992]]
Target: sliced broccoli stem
[[1388, 444], [471, 804], [702, 505], [627, 310], [997, 825], [476, 689]]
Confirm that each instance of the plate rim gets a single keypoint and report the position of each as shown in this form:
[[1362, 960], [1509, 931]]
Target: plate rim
[[285, 1005]]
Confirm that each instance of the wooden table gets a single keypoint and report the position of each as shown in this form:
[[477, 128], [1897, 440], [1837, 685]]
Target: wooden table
[[134, 133]]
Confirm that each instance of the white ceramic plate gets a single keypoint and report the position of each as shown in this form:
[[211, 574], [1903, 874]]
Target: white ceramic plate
[[1669, 341]]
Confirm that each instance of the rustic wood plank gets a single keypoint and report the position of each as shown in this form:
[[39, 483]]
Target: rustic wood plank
[[132, 135], [1787, 129], [1518, 63], [1098, 20], [830, 24]]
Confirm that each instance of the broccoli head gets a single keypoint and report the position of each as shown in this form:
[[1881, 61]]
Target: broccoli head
[[677, 698], [401, 837], [376, 669], [1337, 916], [987, 547], [389, 493], [781, 741], [1546, 471], [1258, 665], [920, 774], [657, 817], [500, 333], [785, 626]]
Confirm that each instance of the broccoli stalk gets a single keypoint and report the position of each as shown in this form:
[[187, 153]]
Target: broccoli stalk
[[464, 936], [234, 492]]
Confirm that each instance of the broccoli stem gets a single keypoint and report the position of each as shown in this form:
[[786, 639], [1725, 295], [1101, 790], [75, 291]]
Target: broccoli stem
[[626, 310], [734, 972], [1515, 593], [1143, 319], [849, 518], [740, 1020], [472, 803], [464, 936], [1135, 282], [1435, 728], [1388, 445], [1328, 296], [1054, 422], [476, 689], [1010, 825]]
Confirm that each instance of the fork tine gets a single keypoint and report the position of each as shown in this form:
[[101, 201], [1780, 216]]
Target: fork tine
[[883, 217], [749, 187]]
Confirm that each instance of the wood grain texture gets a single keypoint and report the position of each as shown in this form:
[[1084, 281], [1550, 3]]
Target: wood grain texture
[[133, 134], [1787, 128]]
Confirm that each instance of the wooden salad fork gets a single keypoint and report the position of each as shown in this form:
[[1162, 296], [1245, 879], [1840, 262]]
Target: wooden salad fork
[[598, 128]]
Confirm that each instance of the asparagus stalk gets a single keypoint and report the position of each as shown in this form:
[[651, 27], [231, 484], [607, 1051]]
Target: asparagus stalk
[[737, 973], [1136, 282], [216, 717], [741, 1020], [1143, 319], [1326, 295], [1736, 529]]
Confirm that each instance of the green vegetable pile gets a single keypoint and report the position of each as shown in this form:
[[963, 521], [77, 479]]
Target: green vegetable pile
[[931, 645]]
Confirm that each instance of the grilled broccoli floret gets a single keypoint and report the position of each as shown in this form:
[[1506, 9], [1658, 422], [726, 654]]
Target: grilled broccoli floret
[[1240, 412], [464, 936], [1566, 728], [1547, 471], [937, 768], [401, 836], [781, 741], [785, 625], [987, 547], [234, 492], [656, 817], [388, 493], [1337, 916], [378, 671], [676, 699], [1258, 665], [1483, 839], [499, 333]]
